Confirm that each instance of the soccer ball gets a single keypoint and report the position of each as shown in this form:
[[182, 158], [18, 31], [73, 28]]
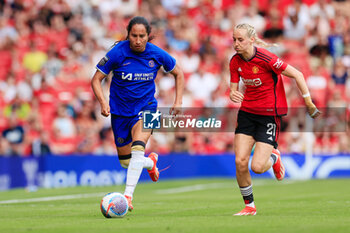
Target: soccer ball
[[114, 205]]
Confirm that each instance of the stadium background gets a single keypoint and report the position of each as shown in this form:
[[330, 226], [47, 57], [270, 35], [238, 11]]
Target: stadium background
[[49, 50]]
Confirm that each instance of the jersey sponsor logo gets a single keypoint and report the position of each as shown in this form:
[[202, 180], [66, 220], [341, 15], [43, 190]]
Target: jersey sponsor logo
[[137, 76], [278, 63], [255, 69], [103, 61], [252, 82], [127, 63], [151, 63], [127, 76]]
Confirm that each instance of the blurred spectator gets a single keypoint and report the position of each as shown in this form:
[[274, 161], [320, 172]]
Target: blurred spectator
[[320, 57], [25, 89], [159, 19], [59, 33], [7, 32], [182, 142], [9, 88], [34, 59], [14, 135], [88, 143], [128, 7], [5, 149], [299, 9], [318, 84], [18, 108], [107, 145], [40, 36], [40, 146], [336, 45], [323, 14], [253, 18], [190, 61], [53, 64], [340, 73], [201, 85], [172, 6], [63, 125], [86, 120], [294, 27]]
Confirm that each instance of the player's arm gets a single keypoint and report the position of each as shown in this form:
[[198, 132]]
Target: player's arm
[[179, 87], [291, 72], [97, 88], [235, 95]]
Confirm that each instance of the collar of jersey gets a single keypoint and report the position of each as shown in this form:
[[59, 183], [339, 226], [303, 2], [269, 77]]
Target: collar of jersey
[[255, 49]]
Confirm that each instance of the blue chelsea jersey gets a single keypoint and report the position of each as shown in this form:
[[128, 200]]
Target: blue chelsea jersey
[[132, 88]]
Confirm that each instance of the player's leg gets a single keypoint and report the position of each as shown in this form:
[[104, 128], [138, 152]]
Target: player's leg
[[150, 162], [261, 161], [244, 142], [124, 155], [277, 165], [243, 147], [266, 156], [138, 161], [121, 127], [266, 153]]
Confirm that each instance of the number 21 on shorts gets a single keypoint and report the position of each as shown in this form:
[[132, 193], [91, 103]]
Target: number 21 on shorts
[[271, 129]]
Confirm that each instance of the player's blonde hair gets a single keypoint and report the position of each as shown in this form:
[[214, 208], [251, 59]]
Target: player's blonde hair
[[251, 32]]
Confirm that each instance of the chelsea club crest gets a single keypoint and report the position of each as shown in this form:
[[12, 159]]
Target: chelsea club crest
[[151, 63]]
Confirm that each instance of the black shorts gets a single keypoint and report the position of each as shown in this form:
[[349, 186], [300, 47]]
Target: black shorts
[[261, 128]]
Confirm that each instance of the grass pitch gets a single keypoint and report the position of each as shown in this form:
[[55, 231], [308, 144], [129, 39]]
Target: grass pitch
[[203, 205]]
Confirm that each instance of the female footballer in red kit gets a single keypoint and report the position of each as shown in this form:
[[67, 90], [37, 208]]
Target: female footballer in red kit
[[262, 105]]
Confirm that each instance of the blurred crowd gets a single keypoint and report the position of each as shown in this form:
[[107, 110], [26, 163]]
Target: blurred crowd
[[49, 50]]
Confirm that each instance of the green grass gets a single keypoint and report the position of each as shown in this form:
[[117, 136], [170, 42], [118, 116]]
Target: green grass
[[300, 206]]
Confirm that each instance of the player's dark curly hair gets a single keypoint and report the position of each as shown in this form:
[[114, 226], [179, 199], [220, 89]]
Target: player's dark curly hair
[[139, 20]]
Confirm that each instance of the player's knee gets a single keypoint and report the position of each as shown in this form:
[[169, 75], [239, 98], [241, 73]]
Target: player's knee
[[242, 164], [124, 163], [258, 168], [138, 146], [124, 160]]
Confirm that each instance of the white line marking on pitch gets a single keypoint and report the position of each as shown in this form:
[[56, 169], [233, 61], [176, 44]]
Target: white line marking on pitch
[[53, 198], [195, 187], [198, 187], [182, 189]]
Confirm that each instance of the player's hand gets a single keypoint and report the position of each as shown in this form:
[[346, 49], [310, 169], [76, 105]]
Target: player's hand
[[313, 111], [236, 96], [176, 109], [311, 108], [105, 110]]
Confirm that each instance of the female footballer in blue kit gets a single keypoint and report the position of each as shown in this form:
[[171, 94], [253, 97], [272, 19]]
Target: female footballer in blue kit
[[134, 63]]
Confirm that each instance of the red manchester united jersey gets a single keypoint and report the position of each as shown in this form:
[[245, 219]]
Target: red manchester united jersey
[[264, 94]]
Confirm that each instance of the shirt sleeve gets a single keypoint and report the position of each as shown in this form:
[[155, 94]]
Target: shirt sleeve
[[108, 62], [234, 72], [277, 65], [167, 61]]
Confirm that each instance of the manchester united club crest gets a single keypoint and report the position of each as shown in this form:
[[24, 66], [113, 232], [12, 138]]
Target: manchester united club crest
[[255, 69]]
